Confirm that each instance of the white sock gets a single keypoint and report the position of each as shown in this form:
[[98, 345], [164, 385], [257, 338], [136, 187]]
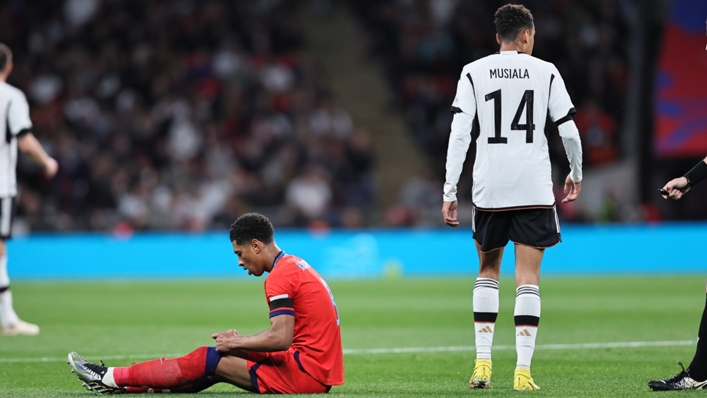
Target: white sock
[[485, 314], [8, 316], [527, 318], [108, 378]]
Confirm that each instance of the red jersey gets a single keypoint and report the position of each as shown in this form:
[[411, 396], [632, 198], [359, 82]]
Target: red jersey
[[295, 288]]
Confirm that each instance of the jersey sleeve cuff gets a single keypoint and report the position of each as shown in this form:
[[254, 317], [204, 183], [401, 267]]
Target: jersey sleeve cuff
[[282, 311], [23, 132], [449, 198]]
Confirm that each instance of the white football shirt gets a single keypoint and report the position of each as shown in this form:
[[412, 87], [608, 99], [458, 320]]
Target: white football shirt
[[511, 94], [14, 122]]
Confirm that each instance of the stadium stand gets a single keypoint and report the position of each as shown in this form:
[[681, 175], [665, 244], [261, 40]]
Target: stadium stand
[[176, 115], [180, 115], [425, 43]]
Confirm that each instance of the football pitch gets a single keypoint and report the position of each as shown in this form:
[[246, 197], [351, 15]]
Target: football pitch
[[598, 336]]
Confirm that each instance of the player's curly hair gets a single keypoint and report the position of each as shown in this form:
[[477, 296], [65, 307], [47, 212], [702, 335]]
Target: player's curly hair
[[511, 20], [251, 226]]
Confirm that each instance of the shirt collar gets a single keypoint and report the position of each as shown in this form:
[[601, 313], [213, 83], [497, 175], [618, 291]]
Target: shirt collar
[[280, 255]]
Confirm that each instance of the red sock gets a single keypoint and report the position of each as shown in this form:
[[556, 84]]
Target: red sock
[[164, 373]]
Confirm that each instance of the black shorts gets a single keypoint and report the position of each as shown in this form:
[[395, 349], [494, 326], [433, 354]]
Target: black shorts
[[531, 227], [6, 212]]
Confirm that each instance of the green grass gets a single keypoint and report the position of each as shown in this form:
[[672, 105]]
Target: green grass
[[150, 319]]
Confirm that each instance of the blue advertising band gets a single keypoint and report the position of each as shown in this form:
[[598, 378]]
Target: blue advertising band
[[697, 174]]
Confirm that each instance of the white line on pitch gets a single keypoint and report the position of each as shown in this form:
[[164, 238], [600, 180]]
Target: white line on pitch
[[407, 350], [627, 344]]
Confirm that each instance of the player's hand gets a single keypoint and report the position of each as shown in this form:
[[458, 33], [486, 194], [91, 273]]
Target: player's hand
[[676, 188], [572, 189], [225, 341], [50, 168], [449, 212]]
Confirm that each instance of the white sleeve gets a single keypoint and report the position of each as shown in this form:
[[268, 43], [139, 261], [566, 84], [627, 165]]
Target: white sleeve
[[459, 141], [18, 115], [465, 100], [464, 109], [573, 148], [560, 104]]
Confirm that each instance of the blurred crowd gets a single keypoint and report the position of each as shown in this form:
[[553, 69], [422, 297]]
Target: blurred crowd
[[425, 43], [179, 115]]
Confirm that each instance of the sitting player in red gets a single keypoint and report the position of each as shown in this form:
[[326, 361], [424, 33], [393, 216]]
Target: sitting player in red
[[300, 353]]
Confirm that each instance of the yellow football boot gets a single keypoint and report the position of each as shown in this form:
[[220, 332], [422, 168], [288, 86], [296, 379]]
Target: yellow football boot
[[481, 378], [523, 381]]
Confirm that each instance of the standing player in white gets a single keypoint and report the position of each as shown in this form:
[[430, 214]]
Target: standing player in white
[[15, 130], [508, 97]]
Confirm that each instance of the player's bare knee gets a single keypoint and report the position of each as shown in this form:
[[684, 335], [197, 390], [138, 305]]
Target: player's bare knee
[[234, 370]]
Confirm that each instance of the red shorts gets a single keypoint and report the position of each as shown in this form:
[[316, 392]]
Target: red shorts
[[280, 373]]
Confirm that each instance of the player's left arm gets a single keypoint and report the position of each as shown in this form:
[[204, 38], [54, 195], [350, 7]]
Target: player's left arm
[[561, 112], [573, 148], [29, 145], [20, 127], [277, 338]]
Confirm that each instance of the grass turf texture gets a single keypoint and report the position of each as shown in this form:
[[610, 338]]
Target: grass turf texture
[[149, 319]]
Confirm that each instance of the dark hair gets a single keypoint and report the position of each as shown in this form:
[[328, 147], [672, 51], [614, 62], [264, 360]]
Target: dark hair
[[5, 56], [251, 226], [511, 20]]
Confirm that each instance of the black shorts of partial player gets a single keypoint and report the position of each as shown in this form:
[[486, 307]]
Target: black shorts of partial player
[[538, 228]]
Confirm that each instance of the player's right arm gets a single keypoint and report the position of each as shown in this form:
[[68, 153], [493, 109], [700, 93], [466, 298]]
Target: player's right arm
[[277, 338], [20, 127], [464, 109], [279, 291], [561, 111], [677, 187]]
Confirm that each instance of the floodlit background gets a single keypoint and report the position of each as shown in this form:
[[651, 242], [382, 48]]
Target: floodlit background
[[178, 116]]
